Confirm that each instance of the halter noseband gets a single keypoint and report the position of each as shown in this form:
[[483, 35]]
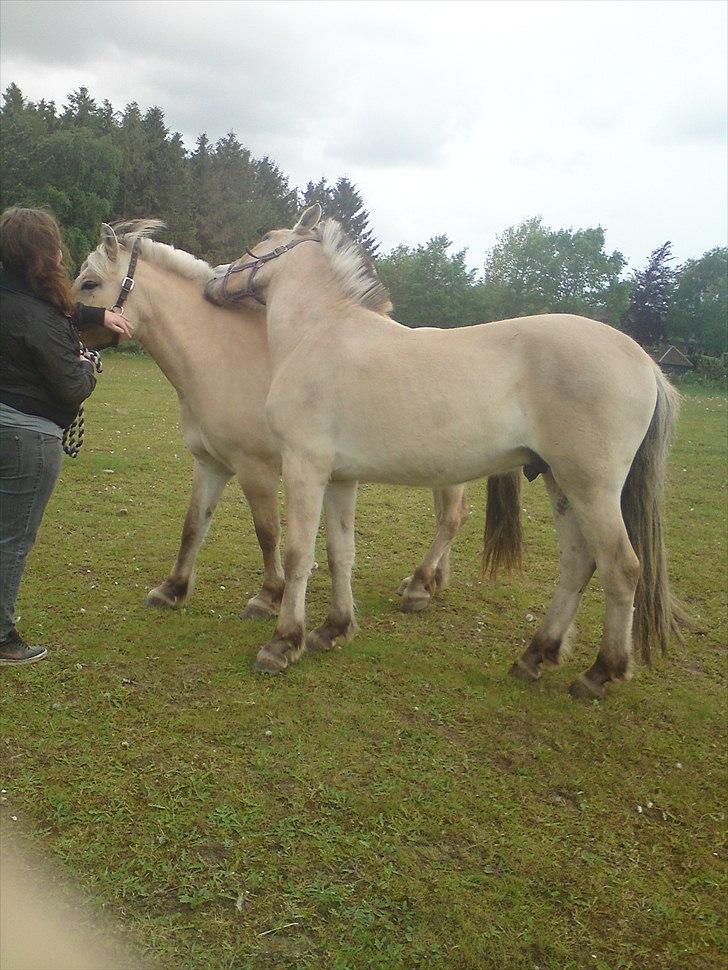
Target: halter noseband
[[258, 261]]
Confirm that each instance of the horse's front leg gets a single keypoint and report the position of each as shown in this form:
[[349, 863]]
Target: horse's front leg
[[433, 573], [304, 487], [340, 510], [209, 478], [260, 485]]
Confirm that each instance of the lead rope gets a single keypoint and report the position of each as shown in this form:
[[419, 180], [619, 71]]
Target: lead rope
[[73, 434]]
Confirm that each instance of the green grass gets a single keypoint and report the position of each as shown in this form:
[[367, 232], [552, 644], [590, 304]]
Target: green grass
[[402, 802]]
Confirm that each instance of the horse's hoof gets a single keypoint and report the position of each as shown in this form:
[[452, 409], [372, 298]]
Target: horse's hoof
[[317, 642], [415, 604], [404, 586], [159, 602], [257, 610], [521, 672], [270, 663], [584, 690]]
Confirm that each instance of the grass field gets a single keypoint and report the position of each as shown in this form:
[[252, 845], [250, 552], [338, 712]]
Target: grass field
[[399, 803]]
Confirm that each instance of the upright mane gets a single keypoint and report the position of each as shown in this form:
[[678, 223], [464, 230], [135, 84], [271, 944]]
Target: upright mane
[[167, 257], [353, 269]]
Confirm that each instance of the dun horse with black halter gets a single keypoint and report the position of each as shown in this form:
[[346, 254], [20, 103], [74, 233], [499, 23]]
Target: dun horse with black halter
[[73, 435], [355, 396], [217, 359]]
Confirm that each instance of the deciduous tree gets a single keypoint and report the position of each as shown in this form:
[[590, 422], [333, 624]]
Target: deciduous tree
[[698, 312], [535, 269]]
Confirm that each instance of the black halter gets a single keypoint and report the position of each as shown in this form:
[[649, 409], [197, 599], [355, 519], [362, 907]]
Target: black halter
[[255, 265], [127, 284]]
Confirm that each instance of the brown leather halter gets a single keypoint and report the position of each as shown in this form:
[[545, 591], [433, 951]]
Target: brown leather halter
[[255, 265]]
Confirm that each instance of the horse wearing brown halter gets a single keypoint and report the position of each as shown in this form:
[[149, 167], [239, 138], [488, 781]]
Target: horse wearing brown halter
[[355, 396]]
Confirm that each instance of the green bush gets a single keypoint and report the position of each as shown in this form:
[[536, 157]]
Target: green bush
[[131, 347], [710, 373], [713, 367]]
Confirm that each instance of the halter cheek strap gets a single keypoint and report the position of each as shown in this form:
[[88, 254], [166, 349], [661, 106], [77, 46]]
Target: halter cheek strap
[[127, 285], [254, 266]]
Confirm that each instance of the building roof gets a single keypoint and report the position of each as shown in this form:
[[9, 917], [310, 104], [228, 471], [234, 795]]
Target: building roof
[[674, 358]]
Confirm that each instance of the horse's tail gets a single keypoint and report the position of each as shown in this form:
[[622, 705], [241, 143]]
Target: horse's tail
[[503, 536], [657, 614]]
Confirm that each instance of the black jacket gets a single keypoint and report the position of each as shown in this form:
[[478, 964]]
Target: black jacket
[[41, 371]]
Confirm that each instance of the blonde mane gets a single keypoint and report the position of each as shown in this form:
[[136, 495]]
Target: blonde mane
[[353, 269], [163, 255]]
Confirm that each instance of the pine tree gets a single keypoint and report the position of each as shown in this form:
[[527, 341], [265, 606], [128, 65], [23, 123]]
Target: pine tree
[[81, 111], [108, 118], [131, 139], [167, 192], [318, 192], [271, 184], [344, 203], [24, 131], [14, 103], [649, 298], [47, 111], [347, 207]]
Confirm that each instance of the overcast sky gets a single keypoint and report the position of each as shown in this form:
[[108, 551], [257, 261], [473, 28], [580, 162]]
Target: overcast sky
[[455, 118]]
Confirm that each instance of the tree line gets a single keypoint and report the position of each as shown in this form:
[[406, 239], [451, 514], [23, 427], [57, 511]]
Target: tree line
[[90, 163]]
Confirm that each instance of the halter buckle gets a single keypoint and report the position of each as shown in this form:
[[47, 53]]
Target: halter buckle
[[127, 284]]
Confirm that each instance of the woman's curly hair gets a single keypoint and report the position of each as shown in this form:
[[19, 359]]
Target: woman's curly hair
[[30, 243]]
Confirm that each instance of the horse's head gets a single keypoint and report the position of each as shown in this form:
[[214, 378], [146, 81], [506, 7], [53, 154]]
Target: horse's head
[[248, 277], [100, 279]]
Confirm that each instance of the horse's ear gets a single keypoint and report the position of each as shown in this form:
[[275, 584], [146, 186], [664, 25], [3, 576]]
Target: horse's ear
[[109, 241], [309, 219]]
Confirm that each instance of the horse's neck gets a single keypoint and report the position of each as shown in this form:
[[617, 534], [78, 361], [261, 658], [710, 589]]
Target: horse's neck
[[300, 304], [172, 322]]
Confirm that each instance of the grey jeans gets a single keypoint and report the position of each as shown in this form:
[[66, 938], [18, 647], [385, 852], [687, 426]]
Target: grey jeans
[[30, 463]]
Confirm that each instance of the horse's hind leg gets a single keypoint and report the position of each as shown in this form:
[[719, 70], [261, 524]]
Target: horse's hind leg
[[340, 510], [603, 527], [433, 573], [260, 485], [576, 566], [208, 481]]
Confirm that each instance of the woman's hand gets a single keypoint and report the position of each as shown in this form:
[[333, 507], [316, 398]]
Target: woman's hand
[[118, 323]]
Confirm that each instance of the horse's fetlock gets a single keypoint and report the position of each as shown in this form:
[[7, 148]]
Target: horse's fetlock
[[273, 590], [170, 594]]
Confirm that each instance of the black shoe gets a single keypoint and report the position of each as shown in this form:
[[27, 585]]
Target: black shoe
[[15, 651]]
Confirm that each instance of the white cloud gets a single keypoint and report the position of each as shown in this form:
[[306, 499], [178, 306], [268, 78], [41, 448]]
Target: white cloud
[[460, 118]]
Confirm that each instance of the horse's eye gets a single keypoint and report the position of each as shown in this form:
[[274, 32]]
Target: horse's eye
[[89, 285]]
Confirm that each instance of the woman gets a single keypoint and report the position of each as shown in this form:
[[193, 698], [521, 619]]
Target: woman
[[43, 380]]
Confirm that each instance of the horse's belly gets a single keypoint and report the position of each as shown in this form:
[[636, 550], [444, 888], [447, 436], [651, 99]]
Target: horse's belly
[[450, 466]]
